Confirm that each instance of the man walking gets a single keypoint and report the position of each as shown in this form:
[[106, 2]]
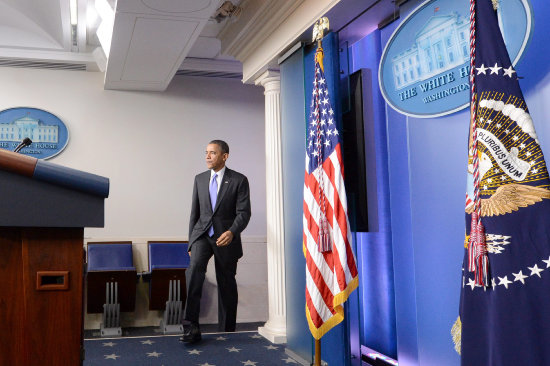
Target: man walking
[[220, 210]]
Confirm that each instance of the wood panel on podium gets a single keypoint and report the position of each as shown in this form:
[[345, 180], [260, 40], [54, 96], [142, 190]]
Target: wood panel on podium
[[44, 210]]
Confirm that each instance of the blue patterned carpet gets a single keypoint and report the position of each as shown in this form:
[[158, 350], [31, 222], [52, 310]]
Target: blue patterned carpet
[[216, 349]]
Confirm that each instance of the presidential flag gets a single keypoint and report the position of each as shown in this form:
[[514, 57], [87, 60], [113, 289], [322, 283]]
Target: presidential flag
[[331, 272], [504, 317]]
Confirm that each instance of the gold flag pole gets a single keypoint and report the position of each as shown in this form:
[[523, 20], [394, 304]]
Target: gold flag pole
[[318, 32]]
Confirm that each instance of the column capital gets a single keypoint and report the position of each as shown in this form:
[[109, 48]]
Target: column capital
[[268, 77]]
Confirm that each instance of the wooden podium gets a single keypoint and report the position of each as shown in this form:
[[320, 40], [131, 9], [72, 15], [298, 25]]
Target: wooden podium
[[44, 208]]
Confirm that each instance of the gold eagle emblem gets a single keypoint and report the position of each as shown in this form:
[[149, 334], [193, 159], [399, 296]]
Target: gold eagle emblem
[[509, 198]]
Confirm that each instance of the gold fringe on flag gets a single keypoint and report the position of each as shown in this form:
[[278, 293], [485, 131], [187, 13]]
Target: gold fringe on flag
[[456, 332]]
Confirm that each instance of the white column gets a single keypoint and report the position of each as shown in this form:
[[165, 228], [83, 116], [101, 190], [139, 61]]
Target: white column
[[275, 328]]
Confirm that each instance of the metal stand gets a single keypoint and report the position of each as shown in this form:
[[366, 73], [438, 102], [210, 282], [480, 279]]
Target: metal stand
[[110, 326], [171, 322]]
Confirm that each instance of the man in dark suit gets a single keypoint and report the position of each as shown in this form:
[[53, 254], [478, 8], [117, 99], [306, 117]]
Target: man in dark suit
[[220, 210]]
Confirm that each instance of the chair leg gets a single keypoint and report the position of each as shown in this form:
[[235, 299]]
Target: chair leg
[[110, 325], [171, 322]]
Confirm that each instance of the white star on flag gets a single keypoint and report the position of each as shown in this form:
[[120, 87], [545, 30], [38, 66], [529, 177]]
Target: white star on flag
[[249, 363], [233, 349], [109, 344], [147, 342], [221, 339], [495, 69], [111, 356], [471, 283], [535, 270], [206, 364], [153, 354], [504, 281], [547, 261], [481, 70], [520, 277], [194, 352], [256, 336], [509, 71], [271, 347]]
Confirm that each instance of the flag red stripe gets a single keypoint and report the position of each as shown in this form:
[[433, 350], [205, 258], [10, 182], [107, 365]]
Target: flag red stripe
[[341, 216], [324, 290], [314, 231], [315, 317], [313, 185]]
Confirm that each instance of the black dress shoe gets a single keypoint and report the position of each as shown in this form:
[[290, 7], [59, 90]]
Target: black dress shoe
[[192, 334]]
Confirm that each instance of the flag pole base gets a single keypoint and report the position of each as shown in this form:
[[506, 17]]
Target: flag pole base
[[317, 361]]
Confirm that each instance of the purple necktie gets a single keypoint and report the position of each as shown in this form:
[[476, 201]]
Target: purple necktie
[[213, 196]]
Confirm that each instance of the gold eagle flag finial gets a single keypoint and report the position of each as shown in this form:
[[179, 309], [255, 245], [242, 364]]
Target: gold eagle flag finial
[[318, 29], [318, 32]]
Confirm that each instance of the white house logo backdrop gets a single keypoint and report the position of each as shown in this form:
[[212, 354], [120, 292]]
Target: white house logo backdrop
[[425, 66], [48, 133]]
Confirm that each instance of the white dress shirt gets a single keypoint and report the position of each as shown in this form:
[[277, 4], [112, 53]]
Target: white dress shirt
[[219, 177]]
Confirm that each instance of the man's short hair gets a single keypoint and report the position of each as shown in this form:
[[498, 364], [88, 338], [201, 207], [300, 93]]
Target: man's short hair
[[222, 144]]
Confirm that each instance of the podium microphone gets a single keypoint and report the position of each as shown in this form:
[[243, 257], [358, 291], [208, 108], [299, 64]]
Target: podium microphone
[[26, 142]]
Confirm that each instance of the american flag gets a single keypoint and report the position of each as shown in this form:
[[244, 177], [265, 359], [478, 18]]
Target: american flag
[[331, 272], [505, 320]]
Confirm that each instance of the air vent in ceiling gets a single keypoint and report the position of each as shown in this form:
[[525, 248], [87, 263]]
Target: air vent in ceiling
[[211, 74], [41, 64]]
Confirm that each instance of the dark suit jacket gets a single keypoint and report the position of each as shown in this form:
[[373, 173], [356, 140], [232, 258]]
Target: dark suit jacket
[[232, 211]]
